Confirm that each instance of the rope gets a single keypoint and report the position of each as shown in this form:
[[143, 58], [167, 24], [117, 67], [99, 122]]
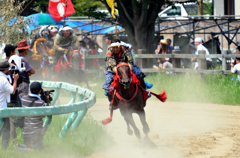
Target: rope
[[116, 30]]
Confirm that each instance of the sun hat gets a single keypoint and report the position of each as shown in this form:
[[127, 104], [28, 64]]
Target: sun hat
[[163, 42], [4, 64], [22, 45]]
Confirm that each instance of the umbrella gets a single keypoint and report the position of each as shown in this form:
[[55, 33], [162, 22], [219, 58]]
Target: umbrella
[[41, 19]]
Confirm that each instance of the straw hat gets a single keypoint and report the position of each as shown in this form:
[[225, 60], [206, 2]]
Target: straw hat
[[163, 42]]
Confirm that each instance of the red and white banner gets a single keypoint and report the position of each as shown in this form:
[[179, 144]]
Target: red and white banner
[[59, 9]]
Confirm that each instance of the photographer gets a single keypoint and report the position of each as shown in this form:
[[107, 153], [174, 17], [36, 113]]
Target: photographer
[[23, 51], [5, 90], [13, 59], [33, 125]]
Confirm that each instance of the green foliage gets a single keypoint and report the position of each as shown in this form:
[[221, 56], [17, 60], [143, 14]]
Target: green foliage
[[82, 7], [219, 89], [87, 139], [11, 24]]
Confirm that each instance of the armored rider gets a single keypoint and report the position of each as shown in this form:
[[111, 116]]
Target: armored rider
[[65, 40], [115, 55], [47, 33]]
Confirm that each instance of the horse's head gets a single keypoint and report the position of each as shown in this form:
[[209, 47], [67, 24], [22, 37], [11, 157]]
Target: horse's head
[[75, 57], [124, 73], [41, 47]]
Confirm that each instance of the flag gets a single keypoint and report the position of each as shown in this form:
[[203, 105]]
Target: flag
[[113, 10], [59, 9]]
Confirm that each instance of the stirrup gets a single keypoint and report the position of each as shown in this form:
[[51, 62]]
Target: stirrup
[[148, 85]]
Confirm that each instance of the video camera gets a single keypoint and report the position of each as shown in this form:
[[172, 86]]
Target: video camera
[[45, 94]]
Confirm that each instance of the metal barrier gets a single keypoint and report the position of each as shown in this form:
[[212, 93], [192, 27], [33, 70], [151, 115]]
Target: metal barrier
[[86, 99]]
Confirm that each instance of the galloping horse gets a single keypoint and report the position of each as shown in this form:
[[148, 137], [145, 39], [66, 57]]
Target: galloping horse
[[130, 98]]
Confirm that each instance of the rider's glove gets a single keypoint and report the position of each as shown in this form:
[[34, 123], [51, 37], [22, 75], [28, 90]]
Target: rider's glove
[[65, 51]]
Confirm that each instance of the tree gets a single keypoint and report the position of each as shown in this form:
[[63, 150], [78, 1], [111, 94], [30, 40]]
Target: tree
[[11, 24], [138, 18]]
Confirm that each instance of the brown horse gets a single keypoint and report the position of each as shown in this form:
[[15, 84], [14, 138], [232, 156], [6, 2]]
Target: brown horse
[[130, 102]]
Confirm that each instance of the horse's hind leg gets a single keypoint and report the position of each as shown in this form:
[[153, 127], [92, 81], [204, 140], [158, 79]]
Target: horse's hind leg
[[142, 117], [132, 123]]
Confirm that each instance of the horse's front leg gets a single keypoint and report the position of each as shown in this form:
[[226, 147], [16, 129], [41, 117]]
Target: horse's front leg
[[142, 117], [129, 131], [132, 123]]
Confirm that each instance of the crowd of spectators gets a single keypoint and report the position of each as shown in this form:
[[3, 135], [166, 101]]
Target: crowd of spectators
[[15, 72]]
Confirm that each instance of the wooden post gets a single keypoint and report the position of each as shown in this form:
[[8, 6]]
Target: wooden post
[[228, 60], [140, 60], [224, 64], [176, 61], [202, 62]]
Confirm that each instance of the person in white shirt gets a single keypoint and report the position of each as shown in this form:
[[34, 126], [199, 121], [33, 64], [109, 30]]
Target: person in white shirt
[[236, 68], [5, 90], [198, 45]]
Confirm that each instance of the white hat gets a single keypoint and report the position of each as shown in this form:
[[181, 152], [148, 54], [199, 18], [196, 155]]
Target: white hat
[[65, 28], [52, 28], [198, 39], [123, 43], [129, 45], [115, 44]]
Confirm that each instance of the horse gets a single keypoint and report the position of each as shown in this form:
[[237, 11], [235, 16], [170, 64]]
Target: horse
[[130, 97], [70, 67]]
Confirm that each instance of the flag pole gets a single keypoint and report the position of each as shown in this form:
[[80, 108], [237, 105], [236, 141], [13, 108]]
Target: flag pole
[[65, 13]]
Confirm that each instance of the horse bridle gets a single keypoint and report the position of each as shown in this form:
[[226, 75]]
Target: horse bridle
[[126, 84]]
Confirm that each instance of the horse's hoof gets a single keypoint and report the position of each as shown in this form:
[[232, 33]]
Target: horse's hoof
[[130, 132], [146, 130], [137, 133]]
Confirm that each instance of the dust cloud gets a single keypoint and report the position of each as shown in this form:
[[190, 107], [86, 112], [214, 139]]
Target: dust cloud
[[170, 126]]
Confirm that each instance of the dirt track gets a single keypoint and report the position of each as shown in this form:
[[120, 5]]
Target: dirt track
[[177, 130]]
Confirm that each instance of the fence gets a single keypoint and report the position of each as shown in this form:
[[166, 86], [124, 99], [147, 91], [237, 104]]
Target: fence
[[176, 57], [77, 110]]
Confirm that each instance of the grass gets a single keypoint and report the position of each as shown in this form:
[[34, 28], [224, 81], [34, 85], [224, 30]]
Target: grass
[[89, 138], [214, 88]]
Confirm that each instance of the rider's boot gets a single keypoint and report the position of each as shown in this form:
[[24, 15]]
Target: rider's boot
[[148, 85], [143, 84]]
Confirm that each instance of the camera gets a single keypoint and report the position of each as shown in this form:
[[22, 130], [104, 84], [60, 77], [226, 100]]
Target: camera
[[45, 94]]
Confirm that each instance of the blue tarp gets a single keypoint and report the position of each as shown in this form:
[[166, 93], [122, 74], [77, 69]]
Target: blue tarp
[[89, 27]]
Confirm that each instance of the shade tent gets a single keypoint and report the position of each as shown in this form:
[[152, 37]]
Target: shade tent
[[89, 27]]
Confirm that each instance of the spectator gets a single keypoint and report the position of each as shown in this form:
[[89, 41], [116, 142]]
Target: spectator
[[170, 47], [32, 129], [23, 51], [108, 40], [5, 90], [236, 68], [199, 46], [83, 51], [234, 59], [10, 52], [159, 65], [91, 48], [163, 50]]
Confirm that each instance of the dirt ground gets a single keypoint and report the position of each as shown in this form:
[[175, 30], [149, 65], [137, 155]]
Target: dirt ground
[[177, 130]]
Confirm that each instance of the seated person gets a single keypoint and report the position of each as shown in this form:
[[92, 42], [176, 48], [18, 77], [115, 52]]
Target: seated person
[[236, 68], [164, 65]]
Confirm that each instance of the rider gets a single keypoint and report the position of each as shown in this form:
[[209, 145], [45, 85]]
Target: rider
[[64, 40], [46, 32], [115, 55]]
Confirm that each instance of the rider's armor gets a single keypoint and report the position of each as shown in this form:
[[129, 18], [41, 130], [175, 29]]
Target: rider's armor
[[113, 59], [61, 43], [45, 33]]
